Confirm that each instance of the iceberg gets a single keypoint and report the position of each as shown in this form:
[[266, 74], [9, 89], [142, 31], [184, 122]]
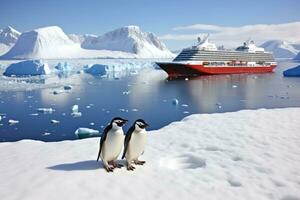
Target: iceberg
[[293, 72], [86, 133], [27, 68], [63, 67], [96, 69]]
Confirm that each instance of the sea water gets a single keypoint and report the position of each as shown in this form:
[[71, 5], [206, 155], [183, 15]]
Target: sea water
[[138, 91]]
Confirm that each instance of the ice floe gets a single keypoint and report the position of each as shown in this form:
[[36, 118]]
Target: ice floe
[[45, 110]]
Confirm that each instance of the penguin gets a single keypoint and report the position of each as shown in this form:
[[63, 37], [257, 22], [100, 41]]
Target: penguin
[[111, 144], [134, 144]]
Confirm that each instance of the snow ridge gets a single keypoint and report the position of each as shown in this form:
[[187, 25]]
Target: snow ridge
[[281, 48], [129, 39], [8, 37]]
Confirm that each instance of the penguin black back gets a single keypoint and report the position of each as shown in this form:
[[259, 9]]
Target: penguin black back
[[103, 138], [127, 139]]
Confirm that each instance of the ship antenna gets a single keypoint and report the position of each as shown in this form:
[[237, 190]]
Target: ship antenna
[[199, 39]]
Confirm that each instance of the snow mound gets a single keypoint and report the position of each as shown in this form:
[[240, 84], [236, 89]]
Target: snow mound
[[250, 154], [27, 68], [281, 48], [129, 39], [96, 69], [292, 72]]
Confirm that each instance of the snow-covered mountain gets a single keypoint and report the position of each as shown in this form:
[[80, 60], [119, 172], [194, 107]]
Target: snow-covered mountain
[[81, 38], [281, 48], [8, 37], [51, 42], [128, 39]]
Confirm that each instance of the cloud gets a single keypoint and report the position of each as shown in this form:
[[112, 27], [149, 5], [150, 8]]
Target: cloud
[[233, 36]]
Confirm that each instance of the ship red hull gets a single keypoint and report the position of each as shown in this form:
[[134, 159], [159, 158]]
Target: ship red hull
[[179, 69]]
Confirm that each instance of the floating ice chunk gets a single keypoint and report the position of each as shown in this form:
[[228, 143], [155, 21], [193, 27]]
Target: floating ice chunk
[[0, 118], [13, 122], [234, 86], [186, 112], [126, 92], [45, 110], [53, 121], [88, 106], [27, 68], [86, 132], [58, 91], [75, 108], [122, 109], [45, 134], [175, 101], [63, 67], [77, 99], [292, 72], [34, 114], [68, 87], [76, 114], [134, 110], [184, 105], [92, 123], [96, 69]]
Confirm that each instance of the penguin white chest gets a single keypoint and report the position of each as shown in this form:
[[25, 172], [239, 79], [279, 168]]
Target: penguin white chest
[[136, 145], [113, 145]]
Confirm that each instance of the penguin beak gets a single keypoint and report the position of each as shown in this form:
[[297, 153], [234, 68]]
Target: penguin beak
[[123, 122], [145, 125]]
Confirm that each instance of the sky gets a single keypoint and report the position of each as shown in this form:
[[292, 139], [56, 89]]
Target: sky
[[177, 23]]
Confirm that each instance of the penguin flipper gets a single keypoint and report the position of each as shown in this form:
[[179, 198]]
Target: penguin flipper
[[127, 140], [102, 140]]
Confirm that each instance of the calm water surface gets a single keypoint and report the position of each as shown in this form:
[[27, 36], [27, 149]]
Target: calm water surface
[[147, 94]]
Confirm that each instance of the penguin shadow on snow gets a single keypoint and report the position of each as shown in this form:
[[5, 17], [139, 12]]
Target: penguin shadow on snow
[[80, 166]]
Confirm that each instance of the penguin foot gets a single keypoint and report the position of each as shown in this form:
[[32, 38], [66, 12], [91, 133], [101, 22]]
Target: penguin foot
[[139, 162], [130, 168], [118, 165], [109, 168], [115, 164]]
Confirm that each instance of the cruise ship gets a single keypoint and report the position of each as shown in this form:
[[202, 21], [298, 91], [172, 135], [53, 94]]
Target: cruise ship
[[206, 59]]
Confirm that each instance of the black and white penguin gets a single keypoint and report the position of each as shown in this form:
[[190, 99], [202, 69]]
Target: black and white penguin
[[111, 144], [134, 145]]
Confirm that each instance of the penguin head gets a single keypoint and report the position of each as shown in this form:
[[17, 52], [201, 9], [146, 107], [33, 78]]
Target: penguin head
[[140, 124], [118, 122]]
